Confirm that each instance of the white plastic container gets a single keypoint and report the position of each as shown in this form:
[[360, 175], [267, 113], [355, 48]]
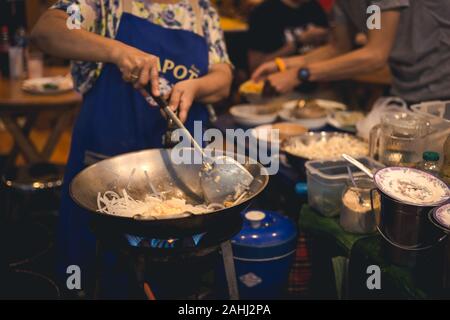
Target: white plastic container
[[438, 114], [327, 180]]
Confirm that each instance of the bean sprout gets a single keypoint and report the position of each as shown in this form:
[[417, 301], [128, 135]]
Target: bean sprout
[[155, 206]]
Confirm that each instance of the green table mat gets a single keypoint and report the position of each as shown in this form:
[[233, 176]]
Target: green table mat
[[401, 278], [367, 246], [313, 223]]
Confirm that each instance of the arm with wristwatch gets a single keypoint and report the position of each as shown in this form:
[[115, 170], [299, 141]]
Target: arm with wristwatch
[[311, 36], [334, 61]]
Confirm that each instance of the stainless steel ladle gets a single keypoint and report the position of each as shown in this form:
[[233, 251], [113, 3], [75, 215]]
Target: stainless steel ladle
[[222, 178], [358, 164]]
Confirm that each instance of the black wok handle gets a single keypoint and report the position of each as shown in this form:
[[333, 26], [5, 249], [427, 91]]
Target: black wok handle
[[162, 103]]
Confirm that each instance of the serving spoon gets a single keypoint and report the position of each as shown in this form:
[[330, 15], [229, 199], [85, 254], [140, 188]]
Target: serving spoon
[[222, 179], [359, 165]]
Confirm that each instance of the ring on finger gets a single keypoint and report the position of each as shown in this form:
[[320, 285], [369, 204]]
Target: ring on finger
[[134, 77]]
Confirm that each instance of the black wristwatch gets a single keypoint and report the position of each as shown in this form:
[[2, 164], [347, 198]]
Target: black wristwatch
[[303, 75]]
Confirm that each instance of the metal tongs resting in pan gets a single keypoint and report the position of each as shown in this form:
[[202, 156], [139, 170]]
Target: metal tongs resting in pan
[[223, 179]]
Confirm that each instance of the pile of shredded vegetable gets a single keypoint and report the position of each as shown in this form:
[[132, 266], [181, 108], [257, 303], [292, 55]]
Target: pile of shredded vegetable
[[153, 206]]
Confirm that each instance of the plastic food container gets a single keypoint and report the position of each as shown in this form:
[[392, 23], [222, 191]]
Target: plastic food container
[[327, 180], [437, 113]]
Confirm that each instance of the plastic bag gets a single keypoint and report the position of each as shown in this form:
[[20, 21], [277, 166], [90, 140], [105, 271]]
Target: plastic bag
[[382, 105]]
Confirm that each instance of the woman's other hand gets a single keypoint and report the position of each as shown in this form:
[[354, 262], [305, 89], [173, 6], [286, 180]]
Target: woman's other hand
[[137, 67], [284, 82], [182, 96], [264, 70]]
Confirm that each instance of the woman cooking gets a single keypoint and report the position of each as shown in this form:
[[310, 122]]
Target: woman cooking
[[174, 47]]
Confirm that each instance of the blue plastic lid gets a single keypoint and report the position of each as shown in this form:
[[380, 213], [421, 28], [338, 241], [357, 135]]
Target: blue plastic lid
[[264, 234], [301, 188]]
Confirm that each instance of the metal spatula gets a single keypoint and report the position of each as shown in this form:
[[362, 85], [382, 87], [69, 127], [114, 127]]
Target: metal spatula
[[223, 179]]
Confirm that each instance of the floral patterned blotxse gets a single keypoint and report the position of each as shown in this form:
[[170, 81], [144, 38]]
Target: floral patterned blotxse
[[442, 215], [412, 186], [103, 17]]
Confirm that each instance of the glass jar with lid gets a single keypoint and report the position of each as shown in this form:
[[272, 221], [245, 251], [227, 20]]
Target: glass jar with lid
[[357, 213], [430, 163]]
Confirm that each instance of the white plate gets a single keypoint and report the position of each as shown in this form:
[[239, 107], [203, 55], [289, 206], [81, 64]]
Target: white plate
[[246, 115], [317, 123], [58, 85], [263, 140], [412, 186], [264, 133], [442, 215], [333, 121]]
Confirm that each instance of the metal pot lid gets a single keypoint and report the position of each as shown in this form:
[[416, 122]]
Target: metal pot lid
[[440, 216], [412, 186], [265, 229]]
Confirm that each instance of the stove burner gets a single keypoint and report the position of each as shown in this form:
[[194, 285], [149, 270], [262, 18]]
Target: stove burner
[[154, 243]]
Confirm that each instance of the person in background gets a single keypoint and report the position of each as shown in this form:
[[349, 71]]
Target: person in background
[[175, 48], [279, 28], [327, 5], [414, 37]]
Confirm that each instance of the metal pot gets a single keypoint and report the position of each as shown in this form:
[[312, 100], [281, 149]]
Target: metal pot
[[446, 229], [407, 196], [407, 230]]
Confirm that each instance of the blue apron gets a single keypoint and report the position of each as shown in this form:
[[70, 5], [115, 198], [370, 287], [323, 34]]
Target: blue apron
[[116, 119]]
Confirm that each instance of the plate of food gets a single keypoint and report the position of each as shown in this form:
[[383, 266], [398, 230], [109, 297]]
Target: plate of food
[[310, 113], [345, 120], [321, 146], [276, 133], [252, 91], [249, 115], [48, 85]]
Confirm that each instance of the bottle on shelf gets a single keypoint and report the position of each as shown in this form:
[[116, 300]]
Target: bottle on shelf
[[4, 51], [430, 162], [17, 54], [21, 40]]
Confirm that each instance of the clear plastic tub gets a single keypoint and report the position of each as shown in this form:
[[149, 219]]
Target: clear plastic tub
[[327, 179], [438, 114]]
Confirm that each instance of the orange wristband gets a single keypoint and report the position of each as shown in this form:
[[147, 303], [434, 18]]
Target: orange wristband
[[281, 65]]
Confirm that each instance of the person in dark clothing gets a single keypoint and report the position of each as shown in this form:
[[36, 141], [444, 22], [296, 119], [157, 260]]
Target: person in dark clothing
[[279, 28]]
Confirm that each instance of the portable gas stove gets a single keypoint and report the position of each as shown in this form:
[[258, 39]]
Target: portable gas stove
[[183, 260], [180, 241]]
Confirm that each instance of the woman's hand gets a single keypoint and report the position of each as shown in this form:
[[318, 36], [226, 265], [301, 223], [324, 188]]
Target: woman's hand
[[264, 70], [137, 66], [284, 82], [182, 96]]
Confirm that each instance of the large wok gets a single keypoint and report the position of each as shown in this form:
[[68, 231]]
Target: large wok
[[155, 165]]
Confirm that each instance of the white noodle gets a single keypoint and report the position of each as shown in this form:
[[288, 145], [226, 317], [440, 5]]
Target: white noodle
[[153, 205], [327, 149]]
